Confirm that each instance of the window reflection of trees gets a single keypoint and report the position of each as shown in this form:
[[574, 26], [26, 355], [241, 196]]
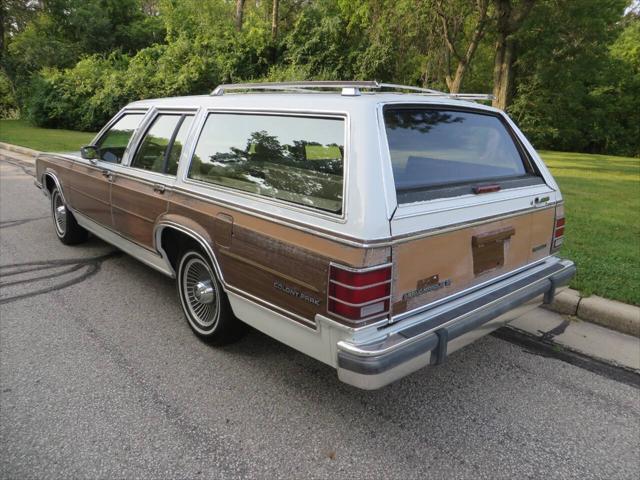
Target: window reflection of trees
[[421, 120], [305, 172]]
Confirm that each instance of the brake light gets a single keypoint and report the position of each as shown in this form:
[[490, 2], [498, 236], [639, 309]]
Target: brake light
[[558, 229], [478, 189], [359, 294]]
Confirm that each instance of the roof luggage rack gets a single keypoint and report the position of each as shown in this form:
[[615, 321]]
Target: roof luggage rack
[[352, 88]]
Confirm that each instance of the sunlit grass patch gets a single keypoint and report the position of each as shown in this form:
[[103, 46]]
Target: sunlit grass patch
[[602, 199], [20, 132]]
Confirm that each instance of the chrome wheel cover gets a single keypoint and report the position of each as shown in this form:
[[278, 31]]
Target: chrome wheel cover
[[59, 213], [200, 294]]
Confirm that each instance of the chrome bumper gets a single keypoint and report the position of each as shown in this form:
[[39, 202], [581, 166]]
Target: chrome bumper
[[427, 338]]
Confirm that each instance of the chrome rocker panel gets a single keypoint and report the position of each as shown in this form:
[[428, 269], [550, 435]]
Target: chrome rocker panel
[[427, 338]]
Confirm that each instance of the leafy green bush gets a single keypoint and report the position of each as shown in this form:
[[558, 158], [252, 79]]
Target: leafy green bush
[[74, 98], [8, 103]]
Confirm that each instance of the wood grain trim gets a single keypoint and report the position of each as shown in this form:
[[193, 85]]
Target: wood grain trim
[[129, 212], [88, 196], [288, 278]]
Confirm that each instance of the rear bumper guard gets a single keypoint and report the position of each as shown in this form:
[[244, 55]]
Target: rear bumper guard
[[427, 341]]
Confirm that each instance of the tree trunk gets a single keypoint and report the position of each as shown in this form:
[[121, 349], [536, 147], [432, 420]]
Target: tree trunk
[[503, 72], [454, 83], [508, 20], [239, 14], [274, 20]]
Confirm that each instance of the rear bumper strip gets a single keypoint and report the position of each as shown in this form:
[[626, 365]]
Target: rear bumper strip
[[383, 363]]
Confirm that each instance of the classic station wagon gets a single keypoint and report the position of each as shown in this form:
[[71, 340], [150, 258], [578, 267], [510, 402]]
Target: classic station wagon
[[374, 230]]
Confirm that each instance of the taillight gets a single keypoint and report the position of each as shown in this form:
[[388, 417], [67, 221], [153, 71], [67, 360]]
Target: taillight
[[558, 229], [359, 294]]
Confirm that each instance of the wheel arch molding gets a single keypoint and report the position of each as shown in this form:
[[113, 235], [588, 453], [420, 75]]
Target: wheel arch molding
[[195, 233]]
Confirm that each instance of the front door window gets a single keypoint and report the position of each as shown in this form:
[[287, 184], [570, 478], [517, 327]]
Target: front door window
[[113, 143]]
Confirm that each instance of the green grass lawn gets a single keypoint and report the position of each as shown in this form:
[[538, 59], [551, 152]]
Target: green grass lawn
[[602, 200], [602, 205], [20, 132]]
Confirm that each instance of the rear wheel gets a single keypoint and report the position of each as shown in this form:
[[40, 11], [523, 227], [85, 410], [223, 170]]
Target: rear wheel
[[203, 301], [65, 224]]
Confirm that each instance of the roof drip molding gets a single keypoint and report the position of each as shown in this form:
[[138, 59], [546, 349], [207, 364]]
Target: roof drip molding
[[347, 88]]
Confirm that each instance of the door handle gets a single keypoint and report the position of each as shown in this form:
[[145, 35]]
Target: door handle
[[157, 187], [108, 174], [540, 201]]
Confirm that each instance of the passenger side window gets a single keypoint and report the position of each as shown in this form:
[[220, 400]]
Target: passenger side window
[[113, 143], [162, 144], [296, 159]]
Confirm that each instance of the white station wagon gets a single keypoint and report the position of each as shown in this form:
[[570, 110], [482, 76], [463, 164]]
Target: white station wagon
[[376, 231]]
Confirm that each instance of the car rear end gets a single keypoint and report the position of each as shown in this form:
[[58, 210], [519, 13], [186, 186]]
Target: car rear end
[[477, 223]]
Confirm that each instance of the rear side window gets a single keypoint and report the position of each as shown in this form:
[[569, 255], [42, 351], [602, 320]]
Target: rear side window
[[433, 150], [162, 144], [295, 159]]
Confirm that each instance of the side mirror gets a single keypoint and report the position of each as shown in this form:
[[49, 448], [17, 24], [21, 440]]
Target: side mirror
[[90, 152]]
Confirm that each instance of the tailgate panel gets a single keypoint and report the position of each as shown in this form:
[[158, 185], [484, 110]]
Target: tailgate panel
[[432, 267]]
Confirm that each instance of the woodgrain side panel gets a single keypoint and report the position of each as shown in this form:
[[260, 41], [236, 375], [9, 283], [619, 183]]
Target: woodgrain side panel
[[60, 166], [541, 232], [89, 192], [136, 208], [278, 264]]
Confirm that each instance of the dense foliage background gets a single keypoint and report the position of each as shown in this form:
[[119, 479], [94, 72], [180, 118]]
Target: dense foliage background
[[567, 71]]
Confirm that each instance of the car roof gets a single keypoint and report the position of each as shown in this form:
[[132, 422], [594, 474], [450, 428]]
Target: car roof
[[304, 101]]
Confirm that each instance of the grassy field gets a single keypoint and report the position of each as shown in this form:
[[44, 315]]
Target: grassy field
[[602, 204], [19, 132], [602, 198]]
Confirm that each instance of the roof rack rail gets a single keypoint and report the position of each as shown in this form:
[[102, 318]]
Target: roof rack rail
[[348, 88]]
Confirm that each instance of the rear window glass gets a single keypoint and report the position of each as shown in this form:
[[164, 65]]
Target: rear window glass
[[432, 148], [295, 159]]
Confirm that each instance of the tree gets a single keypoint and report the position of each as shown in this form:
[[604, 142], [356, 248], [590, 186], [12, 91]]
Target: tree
[[574, 89], [453, 17], [274, 20], [239, 14], [508, 19]]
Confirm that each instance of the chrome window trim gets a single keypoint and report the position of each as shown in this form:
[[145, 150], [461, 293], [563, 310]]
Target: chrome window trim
[[514, 134], [147, 122], [525, 145], [342, 115], [125, 111], [345, 240]]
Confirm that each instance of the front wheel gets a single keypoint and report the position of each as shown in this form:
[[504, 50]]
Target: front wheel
[[204, 303], [65, 224]]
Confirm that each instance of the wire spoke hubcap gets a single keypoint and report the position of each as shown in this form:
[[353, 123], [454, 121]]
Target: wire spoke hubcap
[[201, 295], [59, 214]]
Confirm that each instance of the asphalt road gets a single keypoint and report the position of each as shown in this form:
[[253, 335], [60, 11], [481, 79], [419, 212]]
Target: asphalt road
[[100, 377]]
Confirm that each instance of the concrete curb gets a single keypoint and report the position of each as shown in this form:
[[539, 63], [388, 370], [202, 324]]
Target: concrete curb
[[608, 313], [19, 149]]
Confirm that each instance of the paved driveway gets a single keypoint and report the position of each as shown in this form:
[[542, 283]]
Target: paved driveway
[[100, 377]]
